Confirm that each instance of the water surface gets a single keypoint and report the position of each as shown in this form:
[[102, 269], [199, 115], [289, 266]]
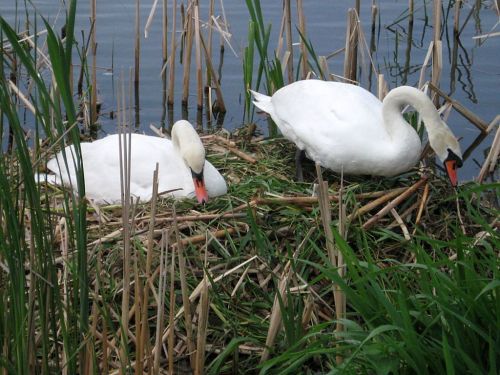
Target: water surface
[[472, 78]]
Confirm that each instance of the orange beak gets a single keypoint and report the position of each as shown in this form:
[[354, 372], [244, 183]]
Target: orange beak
[[199, 189], [451, 169]]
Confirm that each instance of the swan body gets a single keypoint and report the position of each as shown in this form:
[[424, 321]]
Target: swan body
[[181, 161], [344, 127]]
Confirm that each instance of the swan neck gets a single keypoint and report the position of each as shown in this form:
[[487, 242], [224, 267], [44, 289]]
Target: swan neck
[[405, 95], [188, 145]]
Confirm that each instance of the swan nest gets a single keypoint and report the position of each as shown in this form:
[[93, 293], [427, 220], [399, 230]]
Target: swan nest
[[246, 239]]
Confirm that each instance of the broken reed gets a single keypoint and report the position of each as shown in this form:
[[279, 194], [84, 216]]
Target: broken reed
[[93, 49]]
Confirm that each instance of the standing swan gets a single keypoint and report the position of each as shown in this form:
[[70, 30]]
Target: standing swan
[[181, 161], [345, 127]]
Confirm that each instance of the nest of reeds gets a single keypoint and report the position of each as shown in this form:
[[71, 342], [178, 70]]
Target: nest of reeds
[[201, 277]]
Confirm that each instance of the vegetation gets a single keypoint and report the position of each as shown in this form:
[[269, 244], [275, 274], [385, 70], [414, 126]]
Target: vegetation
[[380, 276]]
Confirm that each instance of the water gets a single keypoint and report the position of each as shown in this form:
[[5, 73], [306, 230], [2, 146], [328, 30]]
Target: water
[[473, 81]]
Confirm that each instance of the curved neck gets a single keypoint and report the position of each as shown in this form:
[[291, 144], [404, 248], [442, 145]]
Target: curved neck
[[187, 143], [397, 98]]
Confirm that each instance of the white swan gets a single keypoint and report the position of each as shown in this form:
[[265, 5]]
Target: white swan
[[345, 127], [181, 161]]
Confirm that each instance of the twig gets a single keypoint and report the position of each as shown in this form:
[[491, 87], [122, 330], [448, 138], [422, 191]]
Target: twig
[[472, 117], [373, 220]]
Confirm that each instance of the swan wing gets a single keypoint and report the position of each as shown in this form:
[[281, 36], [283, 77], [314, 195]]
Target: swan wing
[[338, 125], [101, 161]]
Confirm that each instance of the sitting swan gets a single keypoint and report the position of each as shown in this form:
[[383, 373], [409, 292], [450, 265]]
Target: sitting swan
[[345, 127], [181, 161]]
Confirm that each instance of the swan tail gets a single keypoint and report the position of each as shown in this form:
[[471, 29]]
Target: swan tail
[[263, 102]]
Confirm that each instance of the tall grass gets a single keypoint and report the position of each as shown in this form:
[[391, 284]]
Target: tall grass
[[39, 326], [428, 304], [269, 67]]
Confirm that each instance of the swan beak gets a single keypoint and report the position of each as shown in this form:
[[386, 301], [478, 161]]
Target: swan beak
[[451, 169], [200, 189]]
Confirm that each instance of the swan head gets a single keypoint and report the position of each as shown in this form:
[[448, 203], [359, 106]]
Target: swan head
[[447, 149], [188, 144], [195, 160]]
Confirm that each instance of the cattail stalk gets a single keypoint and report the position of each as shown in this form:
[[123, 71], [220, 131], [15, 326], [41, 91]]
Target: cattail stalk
[[137, 48], [171, 59], [437, 49], [350, 61], [199, 74], [302, 29], [188, 46], [93, 48], [288, 33]]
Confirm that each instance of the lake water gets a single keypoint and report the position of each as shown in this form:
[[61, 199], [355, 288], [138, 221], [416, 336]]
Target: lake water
[[474, 81]]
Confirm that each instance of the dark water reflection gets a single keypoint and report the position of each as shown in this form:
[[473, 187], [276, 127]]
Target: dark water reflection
[[397, 43]]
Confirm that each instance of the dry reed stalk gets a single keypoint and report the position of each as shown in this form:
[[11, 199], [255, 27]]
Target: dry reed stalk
[[472, 117], [405, 213], [124, 150], [224, 37], [333, 254], [312, 200], [185, 291], [220, 106], [197, 291], [456, 18], [307, 312], [93, 48], [144, 338], [437, 50], [14, 89], [279, 46], [302, 29], [199, 217], [150, 19], [104, 339], [342, 228], [160, 308], [186, 60], [401, 224], [171, 316], [201, 338], [351, 40], [373, 220], [89, 361], [275, 317], [288, 33], [375, 203], [192, 297], [164, 43], [211, 17], [218, 138], [171, 58], [137, 46], [491, 161], [381, 87], [325, 71], [139, 307], [201, 237], [65, 297], [368, 49], [240, 281], [495, 122], [428, 55], [199, 74], [241, 154], [423, 202]]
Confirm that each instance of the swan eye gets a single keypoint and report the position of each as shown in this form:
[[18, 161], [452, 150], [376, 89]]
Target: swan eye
[[455, 157]]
